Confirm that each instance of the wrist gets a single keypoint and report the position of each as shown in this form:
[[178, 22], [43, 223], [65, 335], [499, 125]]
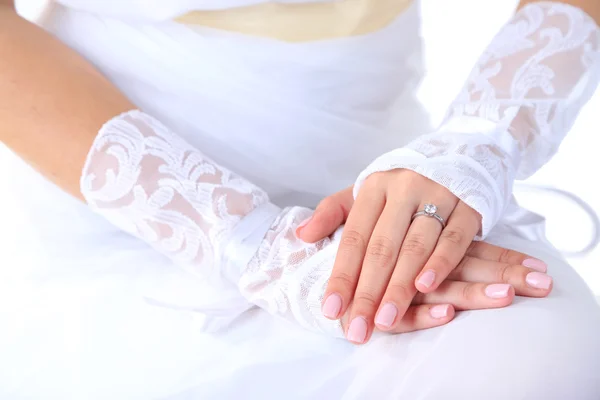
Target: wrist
[[470, 165], [246, 238]]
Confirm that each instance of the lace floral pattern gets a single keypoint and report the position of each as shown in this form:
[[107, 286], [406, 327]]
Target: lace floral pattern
[[518, 104], [288, 277], [534, 78], [151, 183]]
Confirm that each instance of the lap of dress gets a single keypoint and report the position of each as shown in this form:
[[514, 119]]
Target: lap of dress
[[85, 314]]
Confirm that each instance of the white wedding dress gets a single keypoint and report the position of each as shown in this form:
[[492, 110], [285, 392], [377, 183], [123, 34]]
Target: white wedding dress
[[90, 312]]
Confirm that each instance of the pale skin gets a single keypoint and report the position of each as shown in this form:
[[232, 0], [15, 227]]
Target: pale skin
[[53, 102], [385, 259]]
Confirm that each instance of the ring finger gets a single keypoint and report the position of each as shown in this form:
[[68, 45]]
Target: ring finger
[[451, 247]]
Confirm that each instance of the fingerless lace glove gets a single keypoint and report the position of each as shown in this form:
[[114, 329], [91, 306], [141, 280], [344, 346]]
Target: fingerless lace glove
[[151, 183], [519, 102]]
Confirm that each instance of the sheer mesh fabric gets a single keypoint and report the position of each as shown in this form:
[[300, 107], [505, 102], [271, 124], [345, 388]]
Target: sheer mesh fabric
[[151, 183], [288, 277]]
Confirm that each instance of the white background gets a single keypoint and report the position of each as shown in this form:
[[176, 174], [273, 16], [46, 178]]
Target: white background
[[455, 33]]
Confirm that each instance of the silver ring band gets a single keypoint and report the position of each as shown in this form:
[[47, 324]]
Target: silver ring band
[[430, 210]]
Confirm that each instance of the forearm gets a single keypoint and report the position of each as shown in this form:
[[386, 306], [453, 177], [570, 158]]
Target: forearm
[[70, 123], [530, 83], [52, 102], [152, 183], [520, 100]]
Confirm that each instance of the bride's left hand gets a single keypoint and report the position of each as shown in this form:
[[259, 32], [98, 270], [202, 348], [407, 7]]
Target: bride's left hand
[[384, 256]]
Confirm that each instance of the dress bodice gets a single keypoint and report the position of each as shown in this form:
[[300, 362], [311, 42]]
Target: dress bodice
[[299, 118]]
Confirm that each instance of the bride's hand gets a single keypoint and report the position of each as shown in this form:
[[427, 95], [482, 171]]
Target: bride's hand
[[471, 286], [490, 276]]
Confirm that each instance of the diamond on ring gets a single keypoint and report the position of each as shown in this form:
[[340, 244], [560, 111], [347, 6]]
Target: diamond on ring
[[430, 209]]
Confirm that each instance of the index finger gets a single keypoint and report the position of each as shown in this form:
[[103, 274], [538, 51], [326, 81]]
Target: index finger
[[348, 262]]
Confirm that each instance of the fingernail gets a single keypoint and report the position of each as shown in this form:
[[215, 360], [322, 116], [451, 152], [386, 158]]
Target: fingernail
[[302, 225], [538, 280], [440, 311], [497, 290], [357, 332], [427, 278], [536, 264], [332, 306], [387, 315]]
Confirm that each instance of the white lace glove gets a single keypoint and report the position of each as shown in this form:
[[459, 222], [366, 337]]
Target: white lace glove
[[151, 183], [518, 104]]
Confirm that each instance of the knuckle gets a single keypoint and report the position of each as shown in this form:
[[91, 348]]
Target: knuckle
[[381, 250], [468, 292], [505, 255], [503, 273], [396, 198], [454, 235], [352, 239], [365, 299], [414, 245], [342, 280]]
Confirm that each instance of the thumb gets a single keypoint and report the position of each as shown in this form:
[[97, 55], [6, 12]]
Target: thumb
[[329, 215]]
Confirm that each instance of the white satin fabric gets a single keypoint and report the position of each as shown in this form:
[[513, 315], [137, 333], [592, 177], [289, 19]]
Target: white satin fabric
[[90, 312]]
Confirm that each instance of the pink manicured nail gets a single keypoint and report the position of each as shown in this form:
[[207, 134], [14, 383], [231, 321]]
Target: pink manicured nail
[[538, 280], [357, 332], [427, 278], [302, 225], [497, 290], [533, 263], [332, 306], [387, 315], [440, 311]]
